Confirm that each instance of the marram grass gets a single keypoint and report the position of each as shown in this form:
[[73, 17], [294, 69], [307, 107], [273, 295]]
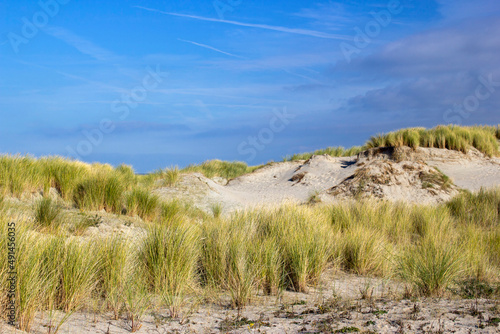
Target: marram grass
[[431, 248], [452, 137]]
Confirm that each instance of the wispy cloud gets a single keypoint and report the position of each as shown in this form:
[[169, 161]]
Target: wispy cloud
[[73, 76], [82, 45], [305, 32], [210, 48]]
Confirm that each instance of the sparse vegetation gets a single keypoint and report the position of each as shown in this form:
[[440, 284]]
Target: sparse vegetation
[[435, 179], [216, 209], [331, 151]]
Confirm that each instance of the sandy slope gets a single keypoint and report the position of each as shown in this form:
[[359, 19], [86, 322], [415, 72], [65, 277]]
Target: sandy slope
[[378, 174]]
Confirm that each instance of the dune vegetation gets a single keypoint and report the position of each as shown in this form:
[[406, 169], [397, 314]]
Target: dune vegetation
[[458, 138], [218, 168], [452, 137], [331, 151], [183, 256], [178, 260]]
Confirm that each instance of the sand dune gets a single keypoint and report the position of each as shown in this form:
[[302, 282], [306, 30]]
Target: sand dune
[[396, 175]]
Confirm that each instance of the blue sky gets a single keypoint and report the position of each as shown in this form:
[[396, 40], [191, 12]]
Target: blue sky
[[157, 83]]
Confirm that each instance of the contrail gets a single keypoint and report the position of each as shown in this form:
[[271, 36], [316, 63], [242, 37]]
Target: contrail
[[306, 32], [210, 48], [82, 45]]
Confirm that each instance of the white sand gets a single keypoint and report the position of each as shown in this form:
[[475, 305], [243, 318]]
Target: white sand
[[329, 177]]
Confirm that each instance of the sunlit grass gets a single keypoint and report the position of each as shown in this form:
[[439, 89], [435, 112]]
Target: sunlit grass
[[225, 169], [142, 203], [331, 151], [169, 256], [46, 212], [451, 137], [430, 248]]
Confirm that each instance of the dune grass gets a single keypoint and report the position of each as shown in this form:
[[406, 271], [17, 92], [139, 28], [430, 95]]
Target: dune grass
[[142, 203], [331, 151], [100, 186], [99, 192], [46, 212], [225, 169], [452, 137], [113, 271], [430, 265], [169, 256], [430, 248]]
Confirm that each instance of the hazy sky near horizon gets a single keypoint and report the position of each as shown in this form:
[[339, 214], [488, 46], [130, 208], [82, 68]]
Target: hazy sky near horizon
[[159, 83]]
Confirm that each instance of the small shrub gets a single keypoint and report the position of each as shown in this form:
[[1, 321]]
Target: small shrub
[[348, 330], [474, 288]]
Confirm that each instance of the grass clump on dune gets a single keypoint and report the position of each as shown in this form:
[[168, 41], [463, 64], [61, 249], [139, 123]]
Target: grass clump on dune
[[169, 256], [225, 169], [430, 265], [228, 259], [451, 137], [142, 203], [331, 151], [113, 271], [99, 192], [46, 212]]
